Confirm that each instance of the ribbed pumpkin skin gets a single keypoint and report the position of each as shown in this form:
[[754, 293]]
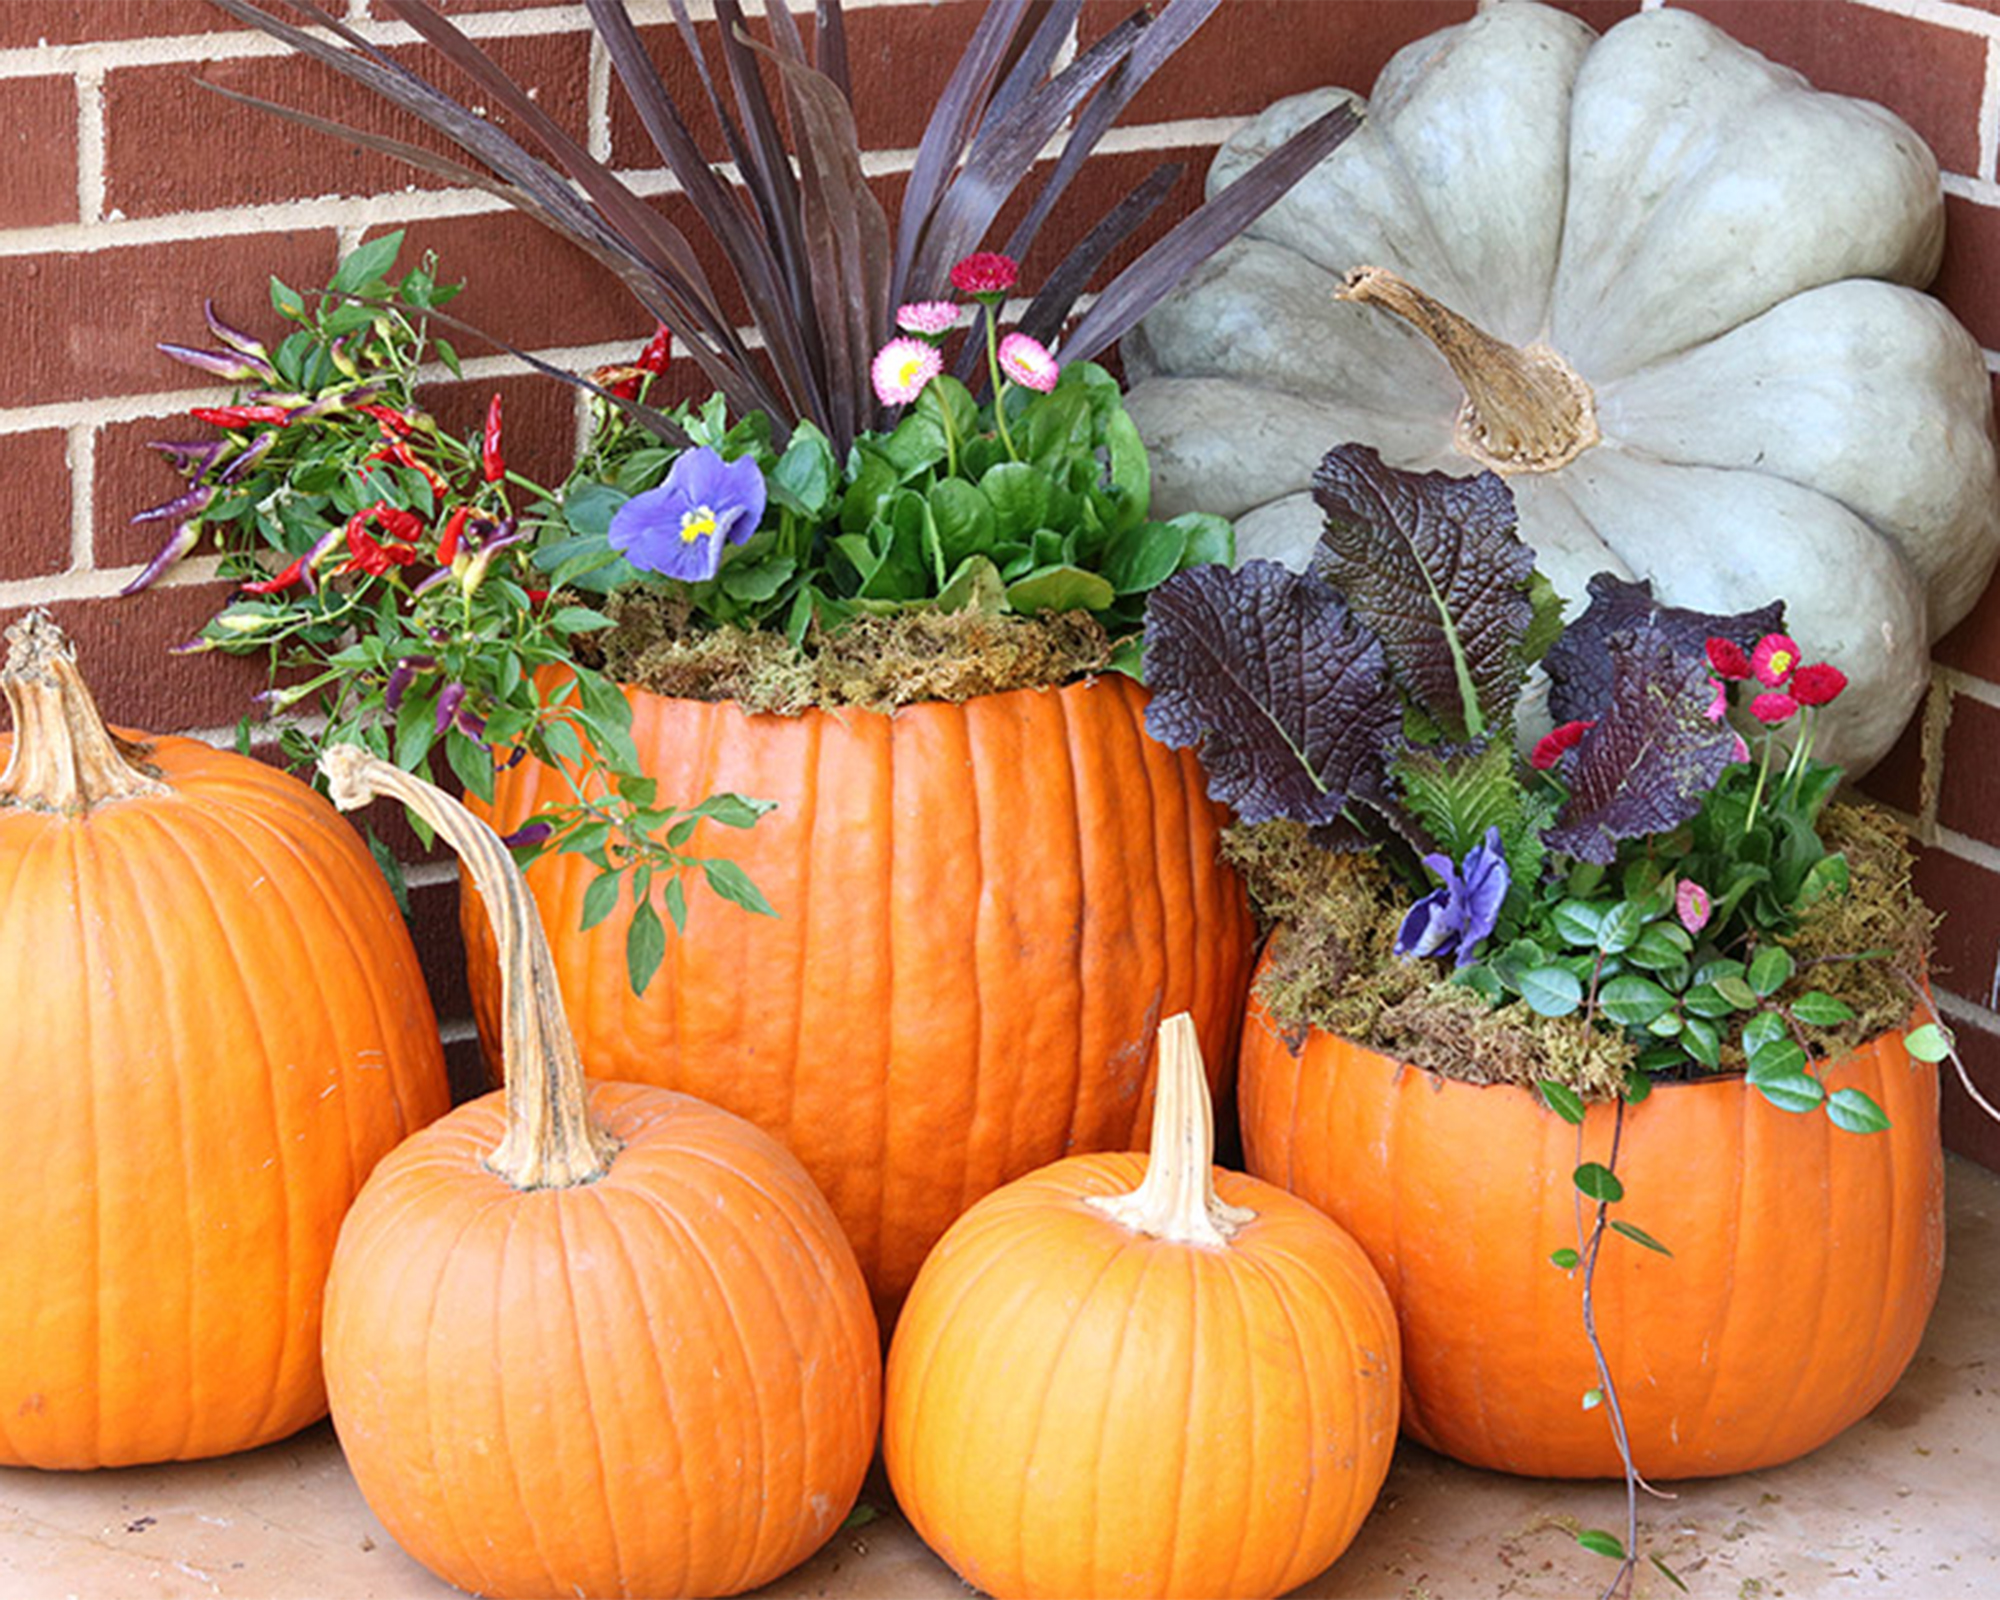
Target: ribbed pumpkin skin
[[1077, 1410], [1805, 1260], [215, 1028], [663, 1383], [984, 911]]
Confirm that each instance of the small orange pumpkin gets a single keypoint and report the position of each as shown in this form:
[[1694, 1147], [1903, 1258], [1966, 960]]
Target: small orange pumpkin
[[931, 869], [1187, 1387], [1805, 1260], [217, 1026], [592, 1340]]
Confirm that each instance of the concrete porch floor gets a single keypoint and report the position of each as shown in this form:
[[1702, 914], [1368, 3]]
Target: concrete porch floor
[[1904, 1506]]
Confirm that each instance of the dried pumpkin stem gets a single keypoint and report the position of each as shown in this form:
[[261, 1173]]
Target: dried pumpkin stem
[[1176, 1200], [1525, 410], [551, 1142], [64, 759]]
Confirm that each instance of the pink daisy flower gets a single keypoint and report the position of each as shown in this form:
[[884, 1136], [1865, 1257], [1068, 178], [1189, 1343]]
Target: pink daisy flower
[[1774, 658], [1027, 362], [1693, 905], [928, 316], [1719, 706], [1772, 709], [901, 369], [1818, 683], [985, 272]]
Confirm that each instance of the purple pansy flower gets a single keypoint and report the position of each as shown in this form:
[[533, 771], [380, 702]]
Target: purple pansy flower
[[1459, 916], [679, 529]]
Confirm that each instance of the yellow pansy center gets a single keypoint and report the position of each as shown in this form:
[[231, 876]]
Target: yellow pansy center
[[697, 524]]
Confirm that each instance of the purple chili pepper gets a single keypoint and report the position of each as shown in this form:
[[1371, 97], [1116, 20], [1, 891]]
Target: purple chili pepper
[[177, 546], [230, 368], [449, 701], [402, 676], [186, 505], [189, 457], [528, 833], [235, 338], [249, 458]]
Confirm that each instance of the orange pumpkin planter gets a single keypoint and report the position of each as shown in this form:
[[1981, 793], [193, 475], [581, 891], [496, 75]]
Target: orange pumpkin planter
[[217, 1026], [984, 910], [1805, 1259], [591, 1340], [1129, 1375]]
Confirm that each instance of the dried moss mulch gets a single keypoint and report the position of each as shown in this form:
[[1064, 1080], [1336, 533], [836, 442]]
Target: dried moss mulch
[[1334, 965], [874, 663]]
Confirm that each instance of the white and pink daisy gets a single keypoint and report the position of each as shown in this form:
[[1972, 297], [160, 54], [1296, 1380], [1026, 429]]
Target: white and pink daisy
[[901, 369], [928, 317], [1026, 361]]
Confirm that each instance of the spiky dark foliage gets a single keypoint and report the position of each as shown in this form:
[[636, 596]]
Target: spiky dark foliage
[[815, 256]]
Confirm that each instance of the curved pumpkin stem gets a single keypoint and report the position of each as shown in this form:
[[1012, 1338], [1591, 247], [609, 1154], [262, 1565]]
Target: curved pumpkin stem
[[64, 759], [1526, 410], [551, 1142], [1176, 1200]]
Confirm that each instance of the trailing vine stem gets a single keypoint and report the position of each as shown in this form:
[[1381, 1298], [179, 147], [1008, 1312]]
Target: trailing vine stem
[[1923, 998], [1620, 1587]]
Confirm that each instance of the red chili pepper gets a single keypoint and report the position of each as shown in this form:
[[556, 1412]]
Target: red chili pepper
[[395, 522], [538, 595], [651, 359], [400, 453], [454, 531], [369, 556], [489, 449], [240, 416], [390, 419], [283, 580]]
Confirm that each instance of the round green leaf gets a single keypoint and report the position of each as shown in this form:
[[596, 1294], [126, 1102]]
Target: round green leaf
[[1928, 1043], [1854, 1112], [1019, 496], [1577, 921], [1632, 1001], [1790, 1091], [1564, 1101], [1565, 1258], [1600, 1543], [1060, 589], [1551, 991], [1819, 1009], [1599, 1182], [1770, 970]]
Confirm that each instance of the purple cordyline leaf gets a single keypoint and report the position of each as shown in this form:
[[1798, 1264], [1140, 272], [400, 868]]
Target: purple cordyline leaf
[[1272, 677], [1580, 668], [231, 368], [1652, 756], [184, 505], [1433, 566], [181, 542]]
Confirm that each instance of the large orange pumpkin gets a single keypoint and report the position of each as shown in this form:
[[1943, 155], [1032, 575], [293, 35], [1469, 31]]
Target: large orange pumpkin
[[984, 911], [592, 1340], [216, 1027], [1142, 1376], [1805, 1260]]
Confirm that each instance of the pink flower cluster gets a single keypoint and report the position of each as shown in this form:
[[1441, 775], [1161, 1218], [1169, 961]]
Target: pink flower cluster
[[904, 365], [1788, 684]]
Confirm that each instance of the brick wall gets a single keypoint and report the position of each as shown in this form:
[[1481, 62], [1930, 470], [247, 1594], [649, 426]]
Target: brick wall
[[128, 194]]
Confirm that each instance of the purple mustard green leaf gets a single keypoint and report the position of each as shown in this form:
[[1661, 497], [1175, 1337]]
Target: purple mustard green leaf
[[1580, 668], [1284, 693], [1433, 565], [1653, 754]]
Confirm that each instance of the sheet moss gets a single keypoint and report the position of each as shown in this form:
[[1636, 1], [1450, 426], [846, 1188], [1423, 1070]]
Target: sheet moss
[[1334, 967], [875, 662]]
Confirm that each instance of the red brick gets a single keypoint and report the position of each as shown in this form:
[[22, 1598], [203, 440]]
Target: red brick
[[1929, 76], [124, 648], [900, 59], [1897, 779], [129, 478], [1253, 52], [1969, 281], [1969, 802], [1974, 645], [1968, 1129], [172, 146], [27, 23], [37, 151], [538, 427], [35, 512], [96, 317], [1967, 897]]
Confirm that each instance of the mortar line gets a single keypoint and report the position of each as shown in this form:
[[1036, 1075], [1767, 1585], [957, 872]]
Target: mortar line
[[81, 452]]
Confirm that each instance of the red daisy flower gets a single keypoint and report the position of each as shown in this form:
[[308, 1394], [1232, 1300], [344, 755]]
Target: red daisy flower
[[1728, 659], [1550, 747], [1772, 709], [1774, 659], [1817, 683], [985, 272]]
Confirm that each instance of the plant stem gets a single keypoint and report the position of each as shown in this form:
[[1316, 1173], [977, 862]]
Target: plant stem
[[999, 383], [1951, 1050], [1757, 793]]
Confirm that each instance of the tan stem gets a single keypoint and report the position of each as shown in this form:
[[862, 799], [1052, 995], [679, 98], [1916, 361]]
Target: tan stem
[[1176, 1200], [64, 759], [1525, 410], [551, 1142]]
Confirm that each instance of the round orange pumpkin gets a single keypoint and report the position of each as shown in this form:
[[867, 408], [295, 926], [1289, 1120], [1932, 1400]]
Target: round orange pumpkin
[[984, 910], [1805, 1260], [217, 1027], [592, 1340], [1187, 1387]]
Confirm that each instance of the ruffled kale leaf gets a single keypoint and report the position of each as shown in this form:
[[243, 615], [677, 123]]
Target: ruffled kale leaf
[[1285, 693], [1433, 566], [1651, 757], [1580, 668]]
